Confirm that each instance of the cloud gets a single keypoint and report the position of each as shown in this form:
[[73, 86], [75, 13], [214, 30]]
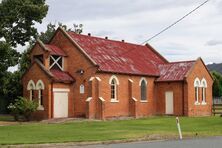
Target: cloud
[[136, 21], [214, 42], [97, 9]]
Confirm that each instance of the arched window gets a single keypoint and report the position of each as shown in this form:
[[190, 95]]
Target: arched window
[[113, 88], [196, 86], [40, 87], [31, 88], [204, 87], [143, 89]]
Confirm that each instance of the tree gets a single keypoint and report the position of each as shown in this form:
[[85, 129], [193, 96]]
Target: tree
[[78, 28], [18, 17], [17, 20], [217, 85], [9, 57]]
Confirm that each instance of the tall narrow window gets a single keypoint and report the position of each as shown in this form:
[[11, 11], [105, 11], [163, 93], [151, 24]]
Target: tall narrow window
[[31, 89], [56, 62], [204, 87], [143, 92], [41, 97], [196, 88], [113, 81], [113, 89], [32, 94], [203, 94], [196, 93], [40, 87]]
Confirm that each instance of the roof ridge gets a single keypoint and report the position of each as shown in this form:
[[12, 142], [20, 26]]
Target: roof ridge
[[178, 62], [183, 61], [112, 40]]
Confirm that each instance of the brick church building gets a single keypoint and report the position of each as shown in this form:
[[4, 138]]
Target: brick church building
[[84, 76]]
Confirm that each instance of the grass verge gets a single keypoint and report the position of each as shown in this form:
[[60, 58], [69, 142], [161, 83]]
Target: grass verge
[[87, 131]]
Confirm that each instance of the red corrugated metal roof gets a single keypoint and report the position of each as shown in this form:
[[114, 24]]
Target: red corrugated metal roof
[[54, 50], [120, 57], [174, 71], [61, 76]]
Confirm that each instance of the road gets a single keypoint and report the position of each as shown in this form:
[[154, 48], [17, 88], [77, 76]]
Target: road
[[213, 142]]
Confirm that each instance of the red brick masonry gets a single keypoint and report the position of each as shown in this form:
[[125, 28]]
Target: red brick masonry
[[92, 62]]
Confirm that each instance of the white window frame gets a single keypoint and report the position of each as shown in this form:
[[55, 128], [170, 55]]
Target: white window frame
[[197, 85], [31, 87], [115, 89], [55, 62], [204, 89], [40, 86]]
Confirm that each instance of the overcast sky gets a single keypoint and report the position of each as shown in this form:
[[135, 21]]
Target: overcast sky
[[198, 35]]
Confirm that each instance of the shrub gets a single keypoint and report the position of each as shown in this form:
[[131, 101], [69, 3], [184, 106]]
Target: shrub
[[23, 107]]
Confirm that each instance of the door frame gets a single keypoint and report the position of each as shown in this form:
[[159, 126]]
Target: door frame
[[57, 90]]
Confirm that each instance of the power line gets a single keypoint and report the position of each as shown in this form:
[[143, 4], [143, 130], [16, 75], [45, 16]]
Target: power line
[[168, 27], [157, 33]]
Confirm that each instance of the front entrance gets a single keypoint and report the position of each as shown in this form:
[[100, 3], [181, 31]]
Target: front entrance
[[169, 102], [60, 103]]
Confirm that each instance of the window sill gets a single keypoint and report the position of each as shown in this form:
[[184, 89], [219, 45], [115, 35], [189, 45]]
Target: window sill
[[40, 108], [143, 101], [204, 103], [114, 101], [196, 103]]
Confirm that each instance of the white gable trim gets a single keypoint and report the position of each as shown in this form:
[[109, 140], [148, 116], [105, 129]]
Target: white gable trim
[[101, 98], [131, 80], [88, 99], [134, 99], [92, 78]]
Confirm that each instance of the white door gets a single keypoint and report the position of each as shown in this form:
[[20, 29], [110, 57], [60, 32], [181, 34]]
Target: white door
[[60, 104], [169, 102]]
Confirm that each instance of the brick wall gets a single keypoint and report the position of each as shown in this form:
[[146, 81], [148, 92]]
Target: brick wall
[[35, 74], [177, 89], [200, 71], [121, 108], [128, 88], [74, 61]]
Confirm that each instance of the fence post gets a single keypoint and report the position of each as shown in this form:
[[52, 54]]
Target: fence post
[[179, 129]]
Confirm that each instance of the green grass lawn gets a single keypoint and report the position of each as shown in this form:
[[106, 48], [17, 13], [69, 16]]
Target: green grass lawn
[[108, 130]]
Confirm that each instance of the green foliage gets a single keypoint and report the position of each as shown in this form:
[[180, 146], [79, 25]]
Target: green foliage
[[18, 17], [17, 20], [78, 28], [23, 107], [51, 28], [10, 88], [8, 57], [217, 85]]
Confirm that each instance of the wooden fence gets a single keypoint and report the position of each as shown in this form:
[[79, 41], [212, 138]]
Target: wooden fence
[[217, 109], [217, 106], [217, 100]]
